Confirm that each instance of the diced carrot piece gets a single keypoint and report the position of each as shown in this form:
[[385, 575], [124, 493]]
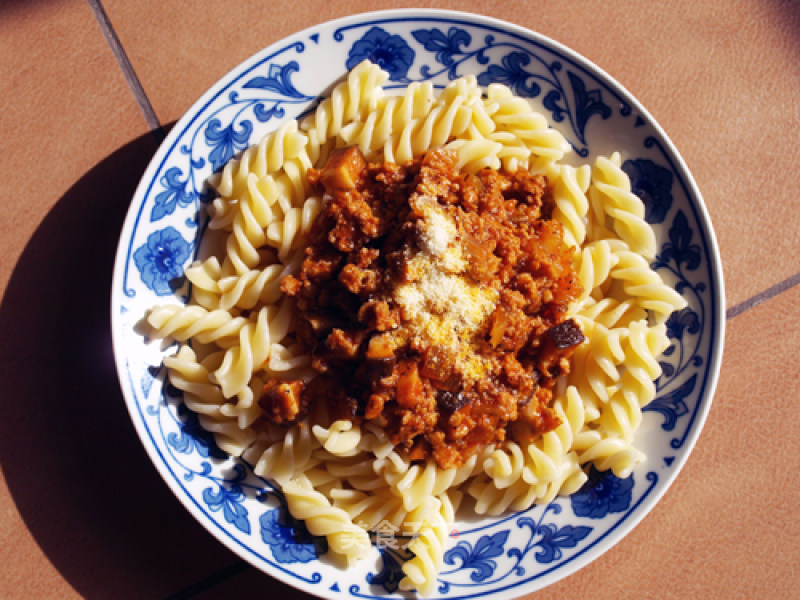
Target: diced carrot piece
[[343, 169], [409, 386]]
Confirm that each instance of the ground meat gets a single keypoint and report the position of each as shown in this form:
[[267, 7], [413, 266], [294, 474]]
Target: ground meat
[[434, 304]]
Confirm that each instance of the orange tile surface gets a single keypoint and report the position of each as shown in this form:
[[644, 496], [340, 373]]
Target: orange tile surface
[[83, 513]]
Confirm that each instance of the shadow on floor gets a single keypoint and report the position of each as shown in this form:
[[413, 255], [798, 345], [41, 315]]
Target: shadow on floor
[[76, 470]]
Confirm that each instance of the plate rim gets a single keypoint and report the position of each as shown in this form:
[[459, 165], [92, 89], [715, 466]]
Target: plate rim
[[695, 200]]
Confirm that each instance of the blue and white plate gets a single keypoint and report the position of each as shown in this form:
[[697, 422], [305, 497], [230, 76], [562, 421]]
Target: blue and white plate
[[488, 557]]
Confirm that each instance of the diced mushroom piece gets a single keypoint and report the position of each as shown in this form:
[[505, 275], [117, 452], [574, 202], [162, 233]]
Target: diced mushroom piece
[[343, 169], [559, 343], [438, 363], [566, 334], [449, 402], [282, 401], [533, 419]]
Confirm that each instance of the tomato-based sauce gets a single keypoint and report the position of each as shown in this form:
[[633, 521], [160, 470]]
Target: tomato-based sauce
[[434, 304]]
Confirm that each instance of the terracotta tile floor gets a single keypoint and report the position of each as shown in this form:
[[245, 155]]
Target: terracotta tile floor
[[82, 511]]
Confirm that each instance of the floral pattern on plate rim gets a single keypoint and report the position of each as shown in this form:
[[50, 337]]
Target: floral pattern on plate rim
[[249, 513]]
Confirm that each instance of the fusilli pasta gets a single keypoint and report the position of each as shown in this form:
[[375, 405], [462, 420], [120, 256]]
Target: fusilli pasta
[[345, 479]]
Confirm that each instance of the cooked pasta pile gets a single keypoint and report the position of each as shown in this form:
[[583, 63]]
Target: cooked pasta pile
[[345, 479]]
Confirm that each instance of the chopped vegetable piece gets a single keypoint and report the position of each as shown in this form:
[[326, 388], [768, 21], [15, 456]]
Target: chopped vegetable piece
[[566, 334], [344, 169]]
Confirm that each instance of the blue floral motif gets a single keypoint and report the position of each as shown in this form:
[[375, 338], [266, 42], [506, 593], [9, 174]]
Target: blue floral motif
[[513, 74], [193, 437], [553, 538], [671, 404], [230, 500], [264, 114], [174, 194], [684, 326], [445, 46], [586, 103], [279, 80], [288, 538], [390, 52], [226, 141], [680, 248], [653, 184], [682, 321], [451, 50], [602, 494], [160, 260], [479, 559]]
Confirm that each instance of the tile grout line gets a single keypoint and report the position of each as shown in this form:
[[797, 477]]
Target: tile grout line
[[768, 294], [127, 69]]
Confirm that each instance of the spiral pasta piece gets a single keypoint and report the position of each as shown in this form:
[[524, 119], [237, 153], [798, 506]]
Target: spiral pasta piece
[[513, 114], [281, 460], [358, 473], [172, 321], [645, 285], [285, 361], [192, 377], [493, 501], [255, 342], [349, 101], [611, 313], [228, 422], [340, 439], [379, 132], [289, 232], [611, 193], [430, 544], [594, 263], [596, 362], [322, 518], [572, 410], [571, 204], [644, 344], [419, 482], [611, 453], [258, 286], [504, 466], [368, 510], [267, 157]]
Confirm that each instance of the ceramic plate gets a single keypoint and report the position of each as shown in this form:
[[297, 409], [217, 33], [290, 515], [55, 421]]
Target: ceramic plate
[[489, 557]]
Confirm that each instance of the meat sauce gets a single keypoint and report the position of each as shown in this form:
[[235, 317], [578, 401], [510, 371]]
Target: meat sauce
[[434, 304]]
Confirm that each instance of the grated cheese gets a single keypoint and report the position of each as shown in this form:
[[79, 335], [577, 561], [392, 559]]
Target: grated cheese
[[435, 231], [441, 306]]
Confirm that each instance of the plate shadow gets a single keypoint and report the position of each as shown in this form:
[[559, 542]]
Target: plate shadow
[[75, 468]]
